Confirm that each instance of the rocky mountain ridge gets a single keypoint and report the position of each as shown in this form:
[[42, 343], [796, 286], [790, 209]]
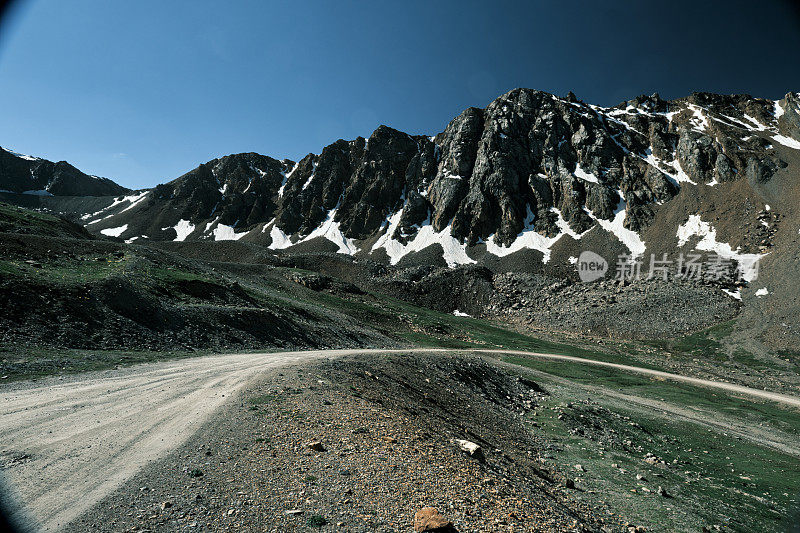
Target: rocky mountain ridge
[[24, 174], [527, 177]]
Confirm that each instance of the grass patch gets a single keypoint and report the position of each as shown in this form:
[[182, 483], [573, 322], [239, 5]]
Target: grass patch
[[32, 363], [715, 479], [428, 328], [682, 394], [66, 272], [703, 344], [264, 399], [317, 520]]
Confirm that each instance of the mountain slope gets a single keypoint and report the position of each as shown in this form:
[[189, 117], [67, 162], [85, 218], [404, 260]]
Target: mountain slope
[[24, 174], [525, 185], [531, 173]]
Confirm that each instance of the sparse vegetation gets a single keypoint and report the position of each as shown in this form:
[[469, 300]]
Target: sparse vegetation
[[317, 520], [713, 476]]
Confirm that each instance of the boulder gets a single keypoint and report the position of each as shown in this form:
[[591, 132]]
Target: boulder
[[429, 519]]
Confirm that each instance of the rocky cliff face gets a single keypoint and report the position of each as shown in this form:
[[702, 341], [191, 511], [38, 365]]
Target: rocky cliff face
[[22, 174], [529, 173]]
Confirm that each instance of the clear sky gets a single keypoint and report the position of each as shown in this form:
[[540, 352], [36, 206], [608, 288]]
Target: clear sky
[[143, 91]]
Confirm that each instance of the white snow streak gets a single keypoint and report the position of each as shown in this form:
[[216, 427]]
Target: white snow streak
[[531, 239], [694, 226], [787, 141], [699, 120], [286, 178], [23, 156], [629, 238], [455, 253], [134, 200], [778, 110], [737, 294], [329, 229]]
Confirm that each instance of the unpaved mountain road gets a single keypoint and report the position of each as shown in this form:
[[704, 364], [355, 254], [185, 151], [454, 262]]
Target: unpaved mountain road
[[68, 443]]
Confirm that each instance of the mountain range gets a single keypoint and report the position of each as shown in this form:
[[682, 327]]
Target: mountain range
[[524, 185]]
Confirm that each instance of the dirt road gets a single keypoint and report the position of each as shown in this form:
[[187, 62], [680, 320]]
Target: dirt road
[[68, 443]]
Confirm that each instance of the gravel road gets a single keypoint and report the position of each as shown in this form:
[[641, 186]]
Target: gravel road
[[69, 442]]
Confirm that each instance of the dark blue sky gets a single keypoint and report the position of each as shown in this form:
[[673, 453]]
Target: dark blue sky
[[143, 91]]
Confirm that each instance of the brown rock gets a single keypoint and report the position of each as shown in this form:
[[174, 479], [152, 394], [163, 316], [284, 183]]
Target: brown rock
[[429, 519]]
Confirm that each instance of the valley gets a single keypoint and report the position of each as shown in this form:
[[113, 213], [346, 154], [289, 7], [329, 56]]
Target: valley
[[280, 345]]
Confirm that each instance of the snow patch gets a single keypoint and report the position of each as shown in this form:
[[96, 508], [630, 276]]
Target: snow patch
[[114, 232], [311, 177], [208, 225], [134, 200], [183, 228], [585, 176], [530, 239], [762, 292], [223, 232], [786, 141], [757, 125], [279, 239], [23, 156], [778, 110], [694, 226], [459, 313], [562, 224], [737, 294], [286, 178], [699, 121], [629, 238]]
